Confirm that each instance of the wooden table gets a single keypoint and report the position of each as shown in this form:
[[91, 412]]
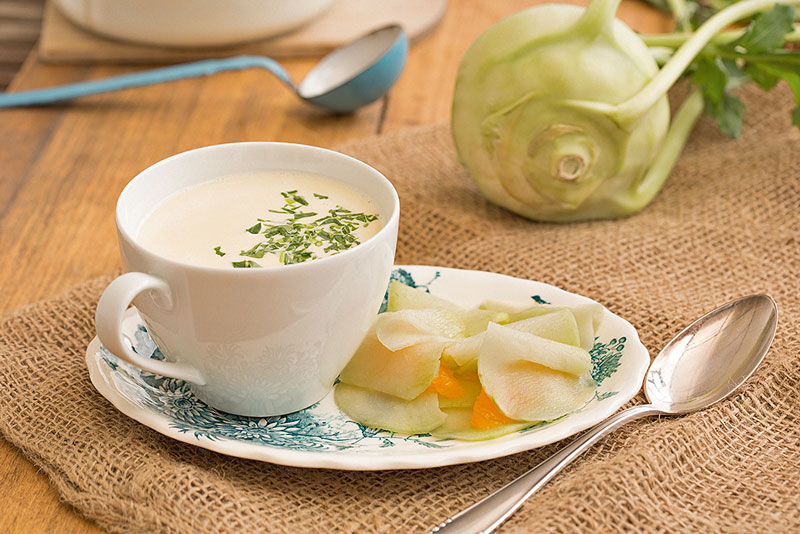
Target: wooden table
[[62, 167]]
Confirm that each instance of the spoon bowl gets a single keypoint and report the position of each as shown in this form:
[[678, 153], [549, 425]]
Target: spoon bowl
[[358, 73], [713, 356], [703, 364]]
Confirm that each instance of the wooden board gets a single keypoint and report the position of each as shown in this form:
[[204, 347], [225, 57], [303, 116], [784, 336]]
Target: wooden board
[[20, 23], [64, 42]]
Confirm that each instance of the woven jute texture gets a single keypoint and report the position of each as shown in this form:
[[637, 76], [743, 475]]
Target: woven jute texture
[[726, 225]]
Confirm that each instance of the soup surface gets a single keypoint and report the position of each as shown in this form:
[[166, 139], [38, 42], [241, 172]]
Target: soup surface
[[258, 220]]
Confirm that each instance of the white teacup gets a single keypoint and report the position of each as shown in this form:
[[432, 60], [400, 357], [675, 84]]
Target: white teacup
[[251, 342]]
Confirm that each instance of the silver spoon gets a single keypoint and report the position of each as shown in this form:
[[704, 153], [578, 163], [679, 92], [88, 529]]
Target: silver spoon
[[702, 365], [348, 78]]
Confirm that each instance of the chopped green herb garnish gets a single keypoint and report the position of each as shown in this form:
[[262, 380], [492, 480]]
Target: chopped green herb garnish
[[292, 238], [244, 264], [218, 251], [304, 215]]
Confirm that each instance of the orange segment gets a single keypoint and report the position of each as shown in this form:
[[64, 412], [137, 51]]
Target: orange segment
[[486, 414], [446, 384]]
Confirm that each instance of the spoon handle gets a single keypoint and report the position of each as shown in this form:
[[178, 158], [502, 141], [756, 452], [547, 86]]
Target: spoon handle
[[137, 79], [487, 514]]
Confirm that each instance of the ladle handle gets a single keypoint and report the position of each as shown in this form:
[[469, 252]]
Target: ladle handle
[[38, 97], [487, 514]]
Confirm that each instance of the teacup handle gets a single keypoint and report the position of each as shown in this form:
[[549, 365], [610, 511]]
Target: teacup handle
[[108, 321]]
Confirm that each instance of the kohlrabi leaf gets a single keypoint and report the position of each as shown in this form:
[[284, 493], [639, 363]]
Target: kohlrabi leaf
[[696, 12], [790, 72], [756, 55], [709, 75], [712, 76], [761, 76], [785, 65], [705, 10], [767, 30], [728, 113]]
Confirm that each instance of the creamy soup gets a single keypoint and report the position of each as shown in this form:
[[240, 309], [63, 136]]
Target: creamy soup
[[258, 220]]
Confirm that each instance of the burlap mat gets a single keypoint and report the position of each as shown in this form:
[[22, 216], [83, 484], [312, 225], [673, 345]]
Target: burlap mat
[[726, 225]]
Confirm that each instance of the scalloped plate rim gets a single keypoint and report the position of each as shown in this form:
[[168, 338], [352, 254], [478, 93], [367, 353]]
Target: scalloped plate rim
[[467, 452]]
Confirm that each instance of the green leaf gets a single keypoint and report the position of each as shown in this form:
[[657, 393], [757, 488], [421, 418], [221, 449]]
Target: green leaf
[[711, 78], [729, 113], [790, 73], [796, 116], [218, 251], [765, 79], [246, 264], [304, 215], [736, 76], [257, 251], [702, 12], [767, 30], [758, 56], [256, 228]]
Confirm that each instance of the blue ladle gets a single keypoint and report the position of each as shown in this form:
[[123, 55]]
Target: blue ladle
[[348, 78]]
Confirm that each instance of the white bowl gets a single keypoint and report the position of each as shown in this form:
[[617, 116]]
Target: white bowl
[[191, 23]]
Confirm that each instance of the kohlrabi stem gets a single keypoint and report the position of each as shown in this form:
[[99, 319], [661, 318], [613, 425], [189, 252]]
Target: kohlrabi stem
[[677, 135], [641, 102], [680, 11], [661, 54], [662, 46], [674, 40], [598, 17]]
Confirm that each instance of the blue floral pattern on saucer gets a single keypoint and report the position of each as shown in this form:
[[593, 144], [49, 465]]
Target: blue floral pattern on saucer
[[318, 429], [311, 429]]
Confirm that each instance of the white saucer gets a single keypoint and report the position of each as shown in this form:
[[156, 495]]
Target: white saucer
[[322, 436]]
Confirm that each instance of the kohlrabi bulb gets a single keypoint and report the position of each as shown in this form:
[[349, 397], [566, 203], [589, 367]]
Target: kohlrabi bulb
[[535, 118]]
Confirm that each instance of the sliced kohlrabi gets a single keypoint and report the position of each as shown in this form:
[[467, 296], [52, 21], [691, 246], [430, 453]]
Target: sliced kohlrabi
[[532, 311], [470, 391], [512, 308], [558, 324], [531, 378], [403, 297], [404, 328], [379, 410], [458, 426], [588, 316], [463, 351], [476, 320], [517, 345], [404, 373]]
